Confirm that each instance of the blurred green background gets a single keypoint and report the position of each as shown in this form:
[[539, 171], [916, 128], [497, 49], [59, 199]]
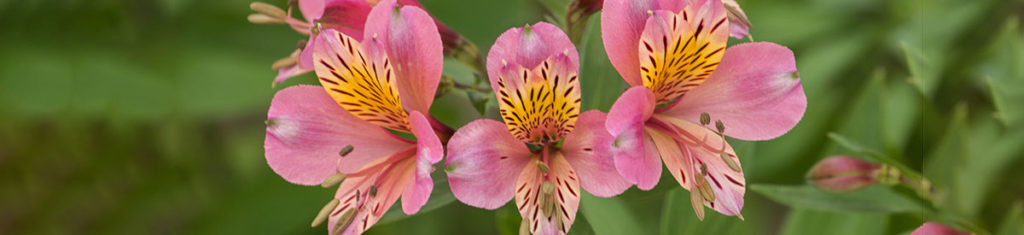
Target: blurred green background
[[134, 116]]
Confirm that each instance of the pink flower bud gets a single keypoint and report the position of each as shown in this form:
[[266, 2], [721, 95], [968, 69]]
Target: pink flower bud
[[843, 174], [933, 228]]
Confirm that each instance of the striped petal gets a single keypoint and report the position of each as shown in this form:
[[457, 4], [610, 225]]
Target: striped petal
[[360, 78], [548, 202], [588, 150], [365, 196], [709, 151], [411, 39], [622, 22], [306, 131], [484, 175], [540, 105], [677, 52]]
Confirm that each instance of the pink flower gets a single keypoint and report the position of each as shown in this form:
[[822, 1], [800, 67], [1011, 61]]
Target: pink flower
[[345, 16], [682, 78], [547, 149], [933, 228], [386, 81]]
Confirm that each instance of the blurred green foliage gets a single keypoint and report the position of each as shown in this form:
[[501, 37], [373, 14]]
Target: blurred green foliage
[[122, 116]]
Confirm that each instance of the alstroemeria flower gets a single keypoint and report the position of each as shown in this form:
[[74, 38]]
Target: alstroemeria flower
[[340, 131], [546, 149], [683, 77], [345, 16], [933, 228]]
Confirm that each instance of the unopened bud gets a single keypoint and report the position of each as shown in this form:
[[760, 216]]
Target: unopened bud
[[840, 174], [264, 19], [267, 9], [705, 119], [933, 228], [333, 180], [324, 213]]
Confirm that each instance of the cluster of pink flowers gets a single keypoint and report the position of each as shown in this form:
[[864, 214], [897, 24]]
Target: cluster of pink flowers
[[379, 65]]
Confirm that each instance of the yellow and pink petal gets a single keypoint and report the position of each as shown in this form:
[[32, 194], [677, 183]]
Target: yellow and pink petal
[[307, 132], [411, 39], [755, 92]]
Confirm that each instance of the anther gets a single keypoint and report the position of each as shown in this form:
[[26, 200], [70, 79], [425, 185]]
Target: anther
[[324, 213], [705, 119], [543, 167], [705, 191], [346, 219], [302, 44], [333, 180], [546, 200], [729, 161], [697, 201], [267, 9], [720, 126], [373, 190], [346, 150]]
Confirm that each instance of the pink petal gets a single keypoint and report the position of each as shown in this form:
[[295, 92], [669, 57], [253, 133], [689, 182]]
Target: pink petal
[[414, 45], [289, 72], [528, 49], [565, 197], [311, 9], [739, 25], [703, 146], [484, 160], [428, 152], [635, 157], [588, 150], [755, 91], [622, 22], [308, 130], [933, 228], [678, 165], [357, 192], [306, 56]]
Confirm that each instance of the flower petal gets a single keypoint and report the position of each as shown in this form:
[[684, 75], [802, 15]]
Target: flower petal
[[622, 22], [307, 130], [540, 105], [724, 173], [483, 175], [360, 78], [755, 92], [411, 39], [551, 212], [288, 72], [588, 150], [528, 48], [739, 25], [311, 9], [933, 228], [428, 152], [678, 51], [370, 195], [680, 166], [635, 157]]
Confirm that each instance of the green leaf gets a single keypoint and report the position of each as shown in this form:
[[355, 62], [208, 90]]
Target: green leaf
[[948, 158], [1004, 72], [805, 221], [677, 217], [922, 69], [1013, 222], [609, 215], [878, 199]]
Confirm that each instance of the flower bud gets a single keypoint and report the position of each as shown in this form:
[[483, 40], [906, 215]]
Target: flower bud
[[840, 174], [933, 228]]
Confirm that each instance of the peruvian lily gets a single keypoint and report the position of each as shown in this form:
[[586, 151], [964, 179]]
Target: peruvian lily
[[345, 16], [341, 136], [546, 149], [933, 228], [682, 77]]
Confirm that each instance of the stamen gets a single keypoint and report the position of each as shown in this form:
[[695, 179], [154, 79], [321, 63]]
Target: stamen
[[346, 219], [324, 212], [705, 119], [373, 190], [267, 9], [546, 199], [729, 161], [524, 227], [333, 180], [720, 126], [284, 62], [263, 19], [697, 202], [346, 150], [543, 167]]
